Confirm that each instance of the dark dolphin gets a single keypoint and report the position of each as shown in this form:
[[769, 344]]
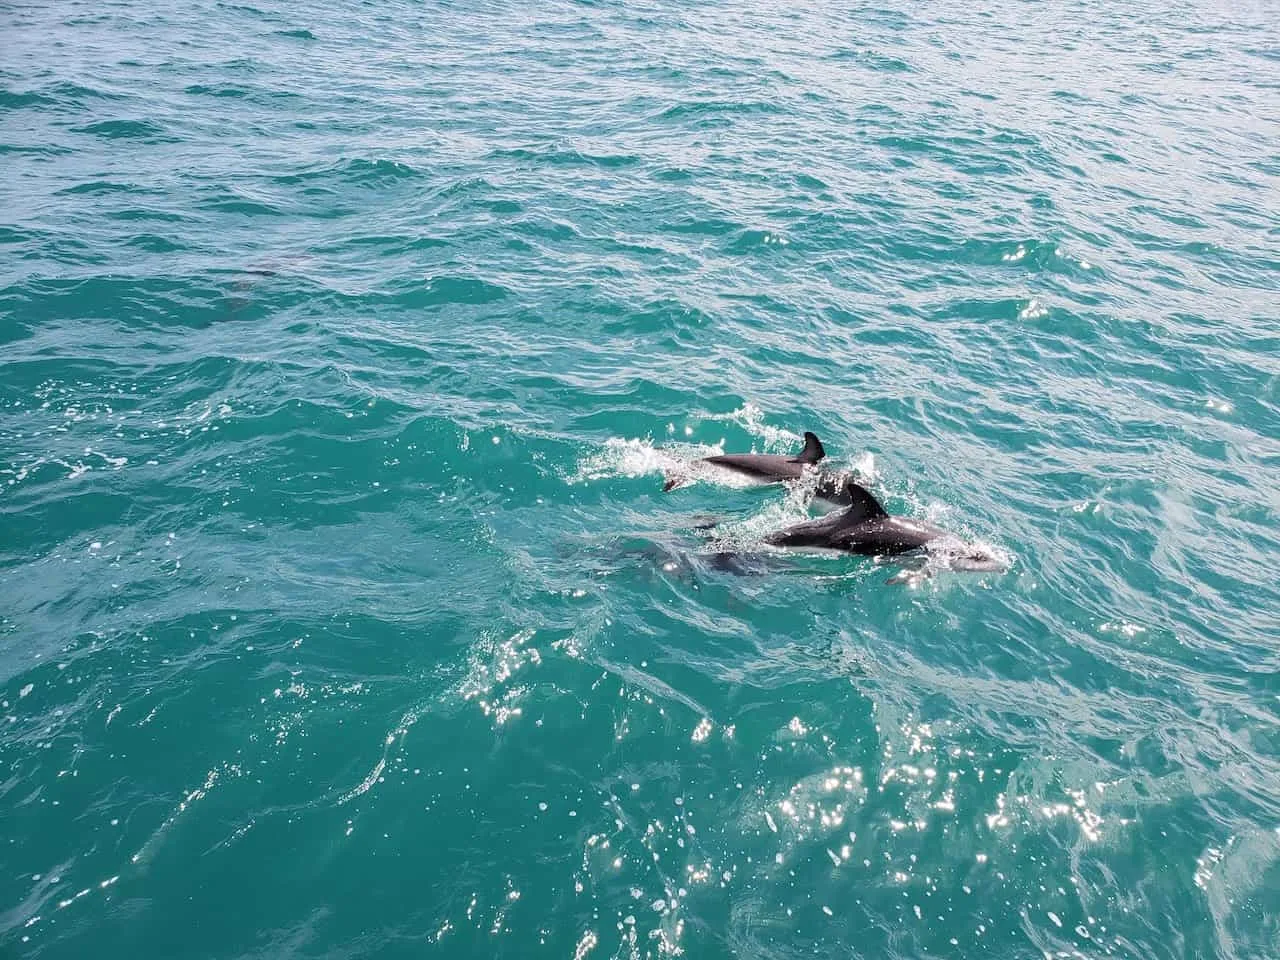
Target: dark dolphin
[[865, 528], [773, 468]]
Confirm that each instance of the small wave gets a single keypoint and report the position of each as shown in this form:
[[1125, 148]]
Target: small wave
[[13, 100], [875, 61], [266, 96], [388, 244], [393, 738], [667, 315], [464, 186], [9, 234], [161, 300], [60, 94], [227, 201], [427, 243], [674, 175], [544, 227], [808, 181], [41, 150], [359, 172], [897, 143], [146, 213], [223, 90], [1263, 53], [717, 108], [449, 289], [568, 157], [125, 130], [750, 240], [1009, 308], [153, 243], [92, 188], [1042, 256], [703, 226]]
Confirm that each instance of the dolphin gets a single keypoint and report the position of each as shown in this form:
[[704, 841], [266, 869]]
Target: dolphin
[[865, 528], [773, 468]]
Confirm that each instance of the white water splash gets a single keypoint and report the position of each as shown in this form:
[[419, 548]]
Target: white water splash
[[585, 945], [396, 735], [751, 418], [635, 458]]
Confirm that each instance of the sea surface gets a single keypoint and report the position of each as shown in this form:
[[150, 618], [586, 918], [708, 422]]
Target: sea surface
[[344, 348]]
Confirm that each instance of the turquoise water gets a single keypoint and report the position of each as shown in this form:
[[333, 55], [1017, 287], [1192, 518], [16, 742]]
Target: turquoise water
[[343, 348]]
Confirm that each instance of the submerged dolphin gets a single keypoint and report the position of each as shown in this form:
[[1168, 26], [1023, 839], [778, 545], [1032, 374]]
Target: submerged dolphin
[[773, 468], [865, 528]]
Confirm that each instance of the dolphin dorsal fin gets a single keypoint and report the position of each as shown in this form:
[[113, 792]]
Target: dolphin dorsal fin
[[812, 451], [862, 505]]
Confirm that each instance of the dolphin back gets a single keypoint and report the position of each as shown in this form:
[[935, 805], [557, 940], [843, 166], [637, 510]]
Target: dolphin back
[[765, 465]]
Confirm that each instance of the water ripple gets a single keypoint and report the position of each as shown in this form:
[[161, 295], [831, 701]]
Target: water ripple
[[345, 352]]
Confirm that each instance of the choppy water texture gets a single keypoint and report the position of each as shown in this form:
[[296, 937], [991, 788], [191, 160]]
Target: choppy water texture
[[343, 346]]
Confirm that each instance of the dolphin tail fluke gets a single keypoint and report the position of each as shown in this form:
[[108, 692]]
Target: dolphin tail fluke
[[812, 452]]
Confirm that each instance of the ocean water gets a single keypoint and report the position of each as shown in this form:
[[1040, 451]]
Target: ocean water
[[344, 347]]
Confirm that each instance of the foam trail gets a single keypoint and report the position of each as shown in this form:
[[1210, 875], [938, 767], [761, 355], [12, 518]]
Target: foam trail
[[636, 458]]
